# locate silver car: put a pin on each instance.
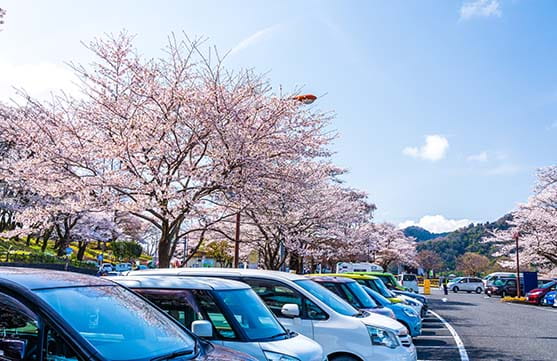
(468, 284)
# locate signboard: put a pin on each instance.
(69, 251)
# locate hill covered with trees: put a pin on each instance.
(454, 244)
(421, 234)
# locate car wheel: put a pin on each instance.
(478, 290)
(455, 289)
(343, 358)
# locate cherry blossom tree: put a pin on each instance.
(472, 263)
(535, 222)
(392, 246)
(162, 139)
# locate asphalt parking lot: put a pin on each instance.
(489, 330)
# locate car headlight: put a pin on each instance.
(275, 356)
(412, 303)
(381, 337)
(535, 292)
(410, 312)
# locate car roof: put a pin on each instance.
(216, 272)
(374, 273)
(32, 278)
(329, 278)
(354, 276)
(166, 282)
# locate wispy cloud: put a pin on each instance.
(434, 149)
(255, 38)
(480, 157)
(437, 223)
(480, 9)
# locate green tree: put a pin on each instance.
(126, 250)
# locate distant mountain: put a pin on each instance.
(421, 234)
(466, 239)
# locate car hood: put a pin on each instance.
(219, 353)
(299, 346)
(537, 290)
(384, 311)
(381, 321)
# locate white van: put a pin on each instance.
(306, 307)
(409, 281)
(492, 277)
(227, 313)
(345, 267)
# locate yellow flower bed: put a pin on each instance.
(513, 299)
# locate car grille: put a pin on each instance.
(405, 341)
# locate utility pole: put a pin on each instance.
(237, 241)
(518, 290)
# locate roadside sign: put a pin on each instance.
(69, 251)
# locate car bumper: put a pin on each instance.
(401, 353)
(533, 299)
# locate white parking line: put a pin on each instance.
(458, 341)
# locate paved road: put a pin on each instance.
(490, 330)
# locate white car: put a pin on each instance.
(123, 267)
(306, 307)
(412, 302)
(409, 281)
(468, 284)
(226, 312)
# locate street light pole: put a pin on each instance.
(237, 241)
(515, 236)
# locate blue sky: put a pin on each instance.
(444, 108)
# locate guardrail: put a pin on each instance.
(434, 282)
(38, 259)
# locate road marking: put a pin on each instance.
(458, 341)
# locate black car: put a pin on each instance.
(502, 287)
(53, 315)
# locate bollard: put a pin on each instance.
(427, 287)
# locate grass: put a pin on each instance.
(20, 248)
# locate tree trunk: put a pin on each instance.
(28, 240)
(82, 246)
(46, 237)
(164, 251)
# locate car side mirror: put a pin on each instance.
(202, 328)
(290, 310)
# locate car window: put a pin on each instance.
(57, 349)
(511, 283)
(409, 278)
(179, 304)
(215, 314)
(275, 294)
(19, 330)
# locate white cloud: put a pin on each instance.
(437, 223)
(434, 149)
(480, 9)
(480, 157)
(504, 169)
(36, 79)
(254, 38)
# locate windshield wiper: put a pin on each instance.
(279, 335)
(173, 355)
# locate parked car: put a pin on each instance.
(106, 267)
(123, 267)
(353, 293)
(343, 267)
(415, 296)
(403, 313)
(372, 282)
(492, 277)
(536, 295)
(67, 316)
(304, 306)
(502, 287)
(468, 284)
(409, 281)
(388, 279)
(549, 299)
(228, 312)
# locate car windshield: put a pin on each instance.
(117, 323)
(251, 314)
(364, 300)
(383, 289)
(377, 296)
(389, 281)
(328, 297)
(548, 284)
(499, 283)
